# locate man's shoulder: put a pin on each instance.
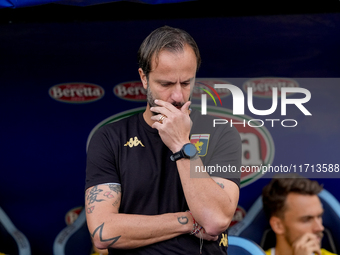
(113, 130)
(132, 119)
(325, 252)
(120, 124)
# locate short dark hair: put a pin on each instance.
(275, 193)
(168, 38)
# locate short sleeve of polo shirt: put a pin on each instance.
(221, 147)
(101, 160)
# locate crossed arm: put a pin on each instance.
(108, 228)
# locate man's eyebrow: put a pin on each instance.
(312, 216)
(165, 81)
(306, 217)
(171, 82)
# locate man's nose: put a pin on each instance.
(177, 93)
(318, 226)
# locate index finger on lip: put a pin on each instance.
(161, 110)
(167, 105)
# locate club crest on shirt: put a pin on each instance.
(201, 142)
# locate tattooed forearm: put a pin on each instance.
(220, 184)
(100, 229)
(183, 220)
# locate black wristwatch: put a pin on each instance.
(188, 151)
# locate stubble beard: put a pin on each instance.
(151, 100)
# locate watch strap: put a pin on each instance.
(181, 154)
(177, 155)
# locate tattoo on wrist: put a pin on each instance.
(183, 220)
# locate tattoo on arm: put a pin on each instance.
(108, 194)
(183, 220)
(115, 187)
(92, 195)
(100, 228)
(89, 209)
(115, 203)
(220, 184)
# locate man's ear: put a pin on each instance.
(277, 225)
(143, 78)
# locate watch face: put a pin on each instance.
(189, 150)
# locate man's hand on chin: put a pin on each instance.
(306, 245)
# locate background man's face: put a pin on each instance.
(303, 215)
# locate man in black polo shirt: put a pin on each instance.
(157, 182)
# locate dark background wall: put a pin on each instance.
(43, 141)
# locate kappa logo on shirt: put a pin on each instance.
(224, 240)
(201, 142)
(134, 142)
